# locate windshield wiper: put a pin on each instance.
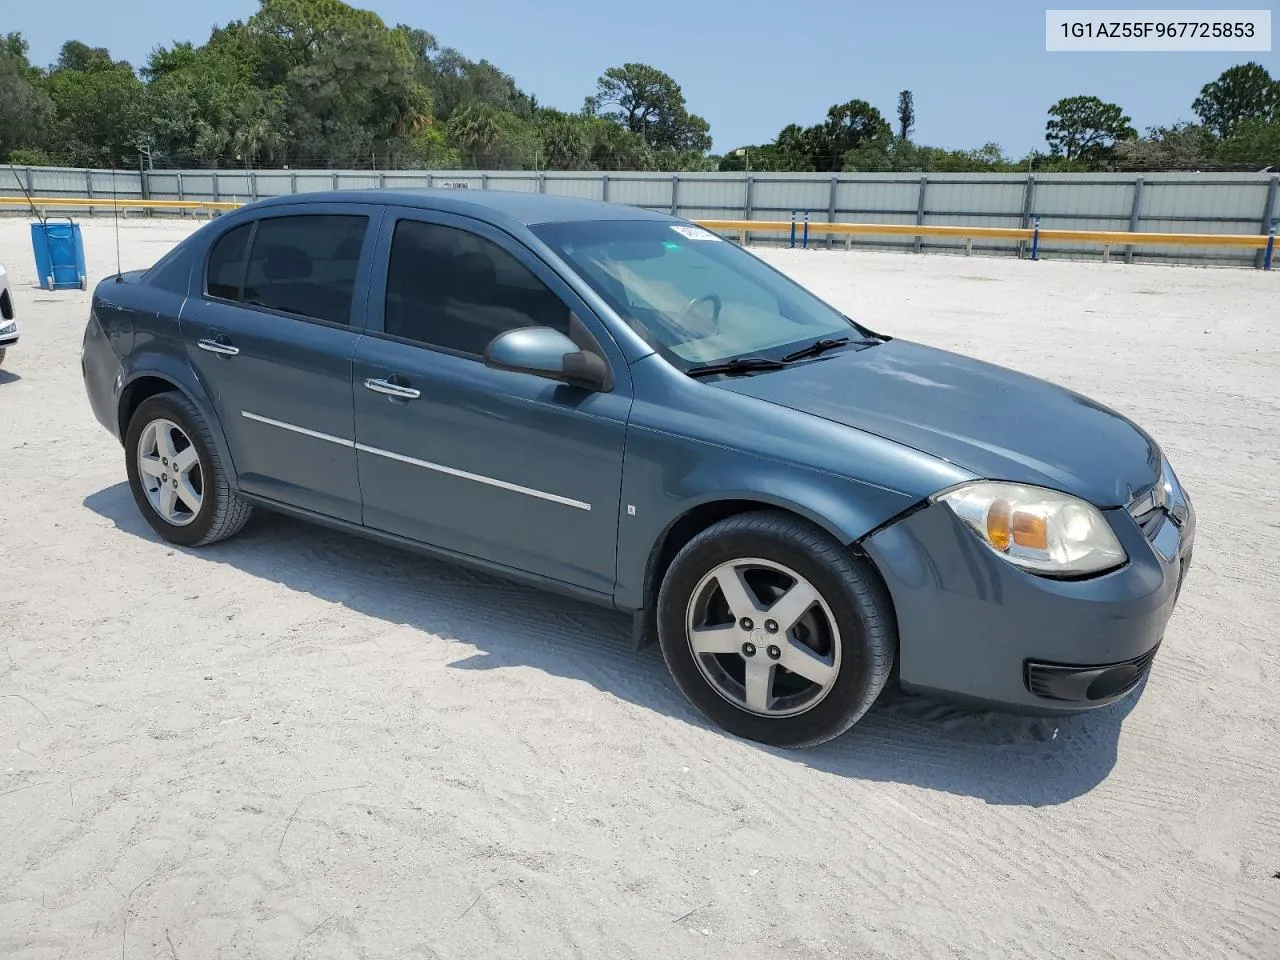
(740, 365)
(825, 344)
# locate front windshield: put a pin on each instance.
(695, 297)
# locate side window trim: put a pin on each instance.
(361, 300)
(543, 272)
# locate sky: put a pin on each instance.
(978, 71)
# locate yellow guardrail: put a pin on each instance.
(1107, 238)
(41, 203)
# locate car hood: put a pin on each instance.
(989, 420)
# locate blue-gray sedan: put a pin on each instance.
(619, 405)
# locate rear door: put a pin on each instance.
(507, 467)
(271, 329)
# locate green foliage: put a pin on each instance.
(25, 107)
(320, 83)
(1241, 94)
(649, 103)
(1183, 146)
(1086, 128)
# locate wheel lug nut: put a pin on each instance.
(746, 624)
(773, 652)
(748, 649)
(771, 626)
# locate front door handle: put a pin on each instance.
(219, 347)
(392, 389)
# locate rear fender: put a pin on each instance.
(179, 375)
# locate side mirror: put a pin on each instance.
(546, 352)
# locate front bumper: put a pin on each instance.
(10, 337)
(973, 627)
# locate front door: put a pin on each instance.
(511, 468)
(271, 331)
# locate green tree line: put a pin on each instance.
(318, 83)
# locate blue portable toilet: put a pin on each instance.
(59, 252)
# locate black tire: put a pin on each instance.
(3, 351)
(222, 512)
(851, 590)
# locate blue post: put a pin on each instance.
(1035, 239)
(793, 228)
(806, 230)
(1271, 245)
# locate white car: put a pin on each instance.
(8, 321)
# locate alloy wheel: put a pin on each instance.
(170, 472)
(763, 637)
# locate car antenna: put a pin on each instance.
(115, 210)
(23, 187)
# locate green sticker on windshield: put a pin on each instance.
(671, 244)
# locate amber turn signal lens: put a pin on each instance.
(1000, 525)
(1030, 530)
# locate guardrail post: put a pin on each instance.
(748, 203)
(675, 194)
(924, 183)
(217, 194)
(604, 187)
(382, 180)
(831, 210)
(1268, 213)
(88, 188)
(1028, 204)
(1133, 217)
(484, 181)
(182, 196)
(805, 241)
(793, 230)
(1271, 245)
(293, 181)
(1035, 239)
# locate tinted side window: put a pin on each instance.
(306, 264)
(226, 263)
(453, 289)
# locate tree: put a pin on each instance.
(1086, 128)
(649, 103)
(855, 127)
(1254, 144)
(1241, 93)
(906, 114)
(1183, 146)
(97, 101)
(25, 108)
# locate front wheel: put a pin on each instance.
(774, 630)
(176, 475)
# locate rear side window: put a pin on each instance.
(452, 289)
(226, 264)
(303, 265)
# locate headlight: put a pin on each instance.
(8, 326)
(1037, 529)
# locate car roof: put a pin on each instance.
(488, 205)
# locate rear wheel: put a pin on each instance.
(177, 478)
(3, 351)
(774, 630)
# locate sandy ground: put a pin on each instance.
(298, 744)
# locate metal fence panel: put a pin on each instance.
(1155, 202)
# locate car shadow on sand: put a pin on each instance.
(999, 758)
(8, 376)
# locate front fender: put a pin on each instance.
(666, 478)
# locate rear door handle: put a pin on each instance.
(392, 389)
(216, 346)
